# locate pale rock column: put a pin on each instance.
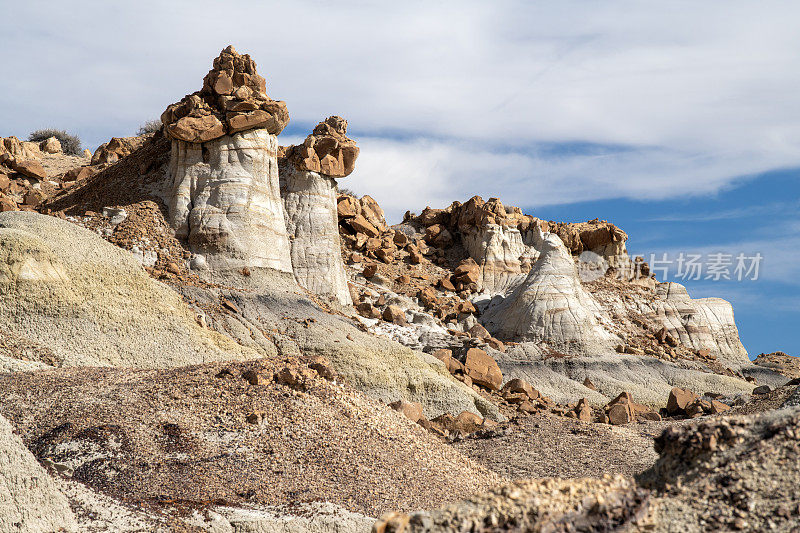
(313, 226)
(309, 191)
(225, 200)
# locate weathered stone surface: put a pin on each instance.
(225, 199)
(233, 99)
(482, 369)
(312, 223)
(29, 498)
(551, 306)
(326, 150)
(679, 399)
(30, 168)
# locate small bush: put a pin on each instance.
(151, 126)
(70, 144)
(346, 191)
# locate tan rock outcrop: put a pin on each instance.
(116, 149)
(233, 99)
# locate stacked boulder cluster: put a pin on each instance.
(233, 99)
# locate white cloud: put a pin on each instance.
(696, 93)
(409, 175)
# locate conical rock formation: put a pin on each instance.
(552, 306)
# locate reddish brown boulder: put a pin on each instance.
(718, 407)
(394, 314)
(79, 174)
(583, 411)
(427, 297)
(414, 257)
(34, 197)
(679, 400)
(446, 285)
(7, 204)
(465, 307)
(620, 413)
(369, 270)
(482, 369)
(367, 310)
(196, 129)
(467, 422)
(347, 207)
(30, 168)
(467, 272)
(400, 238)
(478, 332)
(520, 386)
(361, 225)
(412, 410)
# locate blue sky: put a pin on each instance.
(679, 121)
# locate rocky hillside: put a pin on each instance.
(200, 332)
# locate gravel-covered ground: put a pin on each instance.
(181, 437)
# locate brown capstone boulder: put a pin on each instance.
(326, 150)
(233, 99)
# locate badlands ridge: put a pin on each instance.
(200, 332)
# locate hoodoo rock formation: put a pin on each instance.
(233, 99)
(551, 306)
(309, 194)
(225, 196)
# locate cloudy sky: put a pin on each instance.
(680, 121)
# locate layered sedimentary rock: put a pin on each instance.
(29, 499)
(91, 303)
(551, 306)
(703, 324)
(505, 242)
(225, 200)
(309, 194)
(225, 195)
